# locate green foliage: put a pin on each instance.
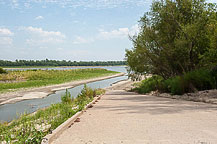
(32, 78)
(149, 84)
(214, 75)
(84, 97)
(66, 98)
(202, 79)
(173, 85)
(47, 62)
(32, 128)
(175, 37)
(2, 70)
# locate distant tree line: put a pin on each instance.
(48, 62)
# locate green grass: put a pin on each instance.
(36, 78)
(202, 79)
(32, 128)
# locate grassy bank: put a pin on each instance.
(32, 128)
(35, 78)
(193, 81)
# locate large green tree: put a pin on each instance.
(175, 37)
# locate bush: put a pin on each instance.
(84, 97)
(66, 98)
(214, 75)
(199, 79)
(202, 79)
(174, 85)
(2, 70)
(149, 84)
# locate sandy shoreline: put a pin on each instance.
(41, 92)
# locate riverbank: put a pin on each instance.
(13, 80)
(31, 128)
(40, 92)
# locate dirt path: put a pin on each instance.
(40, 92)
(129, 118)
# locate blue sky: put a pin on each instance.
(68, 29)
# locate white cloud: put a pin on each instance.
(59, 49)
(43, 33)
(5, 32)
(27, 5)
(211, 1)
(99, 4)
(40, 36)
(39, 17)
(134, 30)
(15, 3)
(5, 37)
(119, 33)
(6, 41)
(81, 40)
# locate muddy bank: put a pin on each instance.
(40, 92)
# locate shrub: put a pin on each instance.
(84, 97)
(214, 75)
(2, 70)
(202, 79)
(66, 98)
(174, 85)
(149, 84)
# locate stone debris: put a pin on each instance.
(206, 96)
(78, 120)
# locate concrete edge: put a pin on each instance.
(67, 124)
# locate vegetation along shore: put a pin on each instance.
(32, 128)
(13, 80)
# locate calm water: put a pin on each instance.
(9, 112)
(113, 68)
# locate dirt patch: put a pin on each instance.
(206, 96)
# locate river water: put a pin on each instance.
(9, 112)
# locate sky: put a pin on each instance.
(77, 30)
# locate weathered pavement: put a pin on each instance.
(130, 118)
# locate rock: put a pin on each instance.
(90, 106)
(78, 120)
